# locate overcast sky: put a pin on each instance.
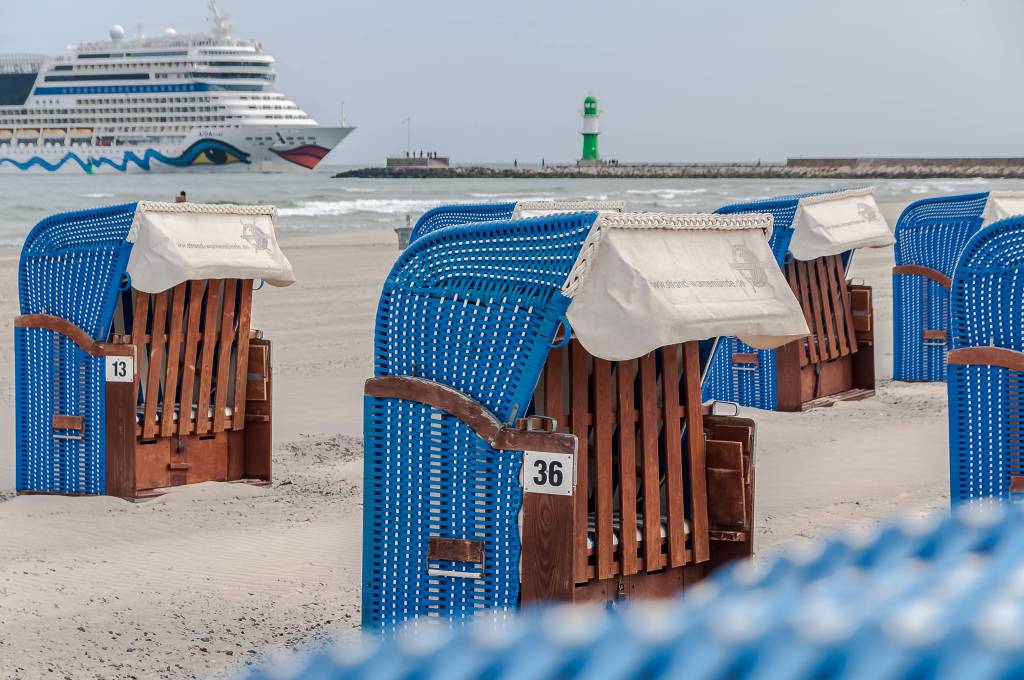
(677, 80)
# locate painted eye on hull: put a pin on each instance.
(215, 156)
(208, 152)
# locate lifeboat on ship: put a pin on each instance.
(54, 135)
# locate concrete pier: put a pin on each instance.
(794, 168)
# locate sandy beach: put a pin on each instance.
(201, 581)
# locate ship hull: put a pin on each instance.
(241, 149)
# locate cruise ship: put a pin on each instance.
(198, 101)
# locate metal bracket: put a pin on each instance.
(537, 424)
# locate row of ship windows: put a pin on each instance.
(289, 138)
(213, 75)
(179, 98)
(83, 110)
(217, 75)
(247, 50)
(153, 64)
(94, 116)
(150, 119)
(121, 108)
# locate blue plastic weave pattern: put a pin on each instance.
(986, 403)
(474, 307)
(72, 265)
(931, 232)
(459, 213)
(930, 601)
(726, 381)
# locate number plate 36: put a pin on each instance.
(549, 473)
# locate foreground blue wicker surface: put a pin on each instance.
(937, 599)
(724, 381)
(475, 308)
(986, 403)
(932, 233)
(459, 213)
(72, 266)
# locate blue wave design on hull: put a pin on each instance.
(204, 152)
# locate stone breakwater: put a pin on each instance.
(794, 169)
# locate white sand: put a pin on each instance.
(200, 581)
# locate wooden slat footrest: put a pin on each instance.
(730, 536)
(855, 394)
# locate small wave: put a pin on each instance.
(512, 196)
(359, 190)
(367, 205)
(98, 194)
(665, 193)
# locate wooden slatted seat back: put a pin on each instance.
(192, 344)
(821, 287)
(640, 462)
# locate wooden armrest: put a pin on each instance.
(73, 333)
(471, 412)
(987, 356)
(927, 272)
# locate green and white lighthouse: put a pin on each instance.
(590, 132)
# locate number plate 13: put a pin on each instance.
(120, 369)
(549, 473)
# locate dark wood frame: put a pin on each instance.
(180, 451)
(556, 565)
(836, 361)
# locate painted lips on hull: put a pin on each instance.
(307, 155)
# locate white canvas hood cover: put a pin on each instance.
(541, 208)
(176, 242)
(647, 280)
(830, 224)
(1002, 204)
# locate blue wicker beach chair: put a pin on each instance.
(465, 213)
(931, 601)
(499, 338)
(985, 370)
(813, 237)
(132, 348)
(930, 235)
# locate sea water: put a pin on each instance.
(316, 202)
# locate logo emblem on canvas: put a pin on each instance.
(255, 237)
(753, 271)
(867, 212)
